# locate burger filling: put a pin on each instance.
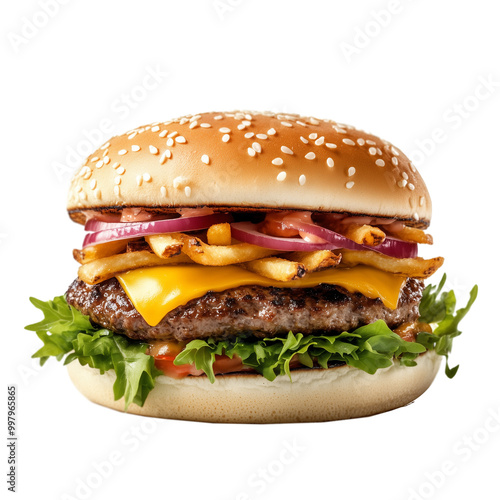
(202, 293)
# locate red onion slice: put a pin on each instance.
(123, 231)
(247, 232)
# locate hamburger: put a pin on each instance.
(251, 267)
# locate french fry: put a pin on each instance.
(219, 234)
(363, 234)
(137, 245)
(413, 268)
(315, 260)
(412, 234)
(222, 255)
(166, 245)
(276, 268)
(107, 267)
(95, 252)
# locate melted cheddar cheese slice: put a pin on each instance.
(155, 291)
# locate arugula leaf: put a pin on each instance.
(439, 308)
(368, 348)
(67, 333)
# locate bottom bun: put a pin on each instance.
(315, 395)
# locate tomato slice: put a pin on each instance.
(222, 364)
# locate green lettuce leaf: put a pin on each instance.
(67, 333)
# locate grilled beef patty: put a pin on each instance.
(246, 311)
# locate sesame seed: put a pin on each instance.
(193, 124)
(302, 179)
(93, 184)
(183, 121)
(361, 142)
(178, 181)
(122, 152)
(271, 131)
(313, 136)
(132, 135)
(153, 150)
(155, 128)
(241, 126)
(163, 158)
(395, 161)
(281, 176)
(349, 184)
(225, 130)
(249, 135)
(248, 116)
(421, 201)
(83, 195)
(412, 167)
(180, 139)
(105, 146)
(205, 125)
(226, 137)
(329, 162)
(138, 179)
(415, 215)
(168, 153)
(99, 164)
(116, 164)
(94, 159)
(402, 183)
(379, 151)
(286, 150)
(287, 124)
(351, 171)
(330, 145)
(118, 180)
(277, 161)
(187, 191)
(380, 163)
(205, 159)
(372, 143)
(257, 147)
(247, 123)
(120, 171)
(163, 191)
(411, 187)
(310, 156)
(251, 151)
(313, 121)
(394, 151)
(349, 142)
(404, 175)
(170, 142)
(304, 140)
(339, 130)
(372, 151)
(301, 123)
(261, 136)
(98, 194)
(163, 133)
(218, 117)
(146, 177)
(319, 141)
(106, 160)
(116, 189)
(173, 134)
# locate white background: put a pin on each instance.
(423, 74)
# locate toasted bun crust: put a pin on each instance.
(313, 396)
(254, 161)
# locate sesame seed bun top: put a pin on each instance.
(253, 161)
